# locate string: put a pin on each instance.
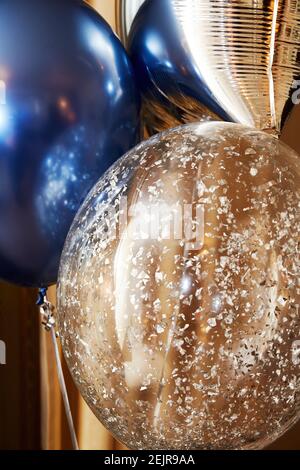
(48, 321)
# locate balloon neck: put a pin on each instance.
(272, 131)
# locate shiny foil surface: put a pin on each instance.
(237, 58)
(178, 295)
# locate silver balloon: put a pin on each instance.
(125, 13)
(178, 296)
(239, 57)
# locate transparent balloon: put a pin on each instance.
(178, 296)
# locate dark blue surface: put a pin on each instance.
(163, 64)
(68, 109)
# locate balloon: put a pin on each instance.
(178, 303)
(125, 13)
(69, 108)
(239, 59)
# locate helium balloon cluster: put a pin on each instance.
(178, 293)
(178, 298)
(69, 108)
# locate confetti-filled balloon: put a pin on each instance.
(69, 108)
(178, 297)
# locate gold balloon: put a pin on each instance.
(178, 297)
(244, 55)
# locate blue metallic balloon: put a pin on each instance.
(69, 108)
(168, 74)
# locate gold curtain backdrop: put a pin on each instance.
(31, 410)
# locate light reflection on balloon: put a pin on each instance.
(239, 59)
(4, 119)
(69, 108)
(182, 342)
